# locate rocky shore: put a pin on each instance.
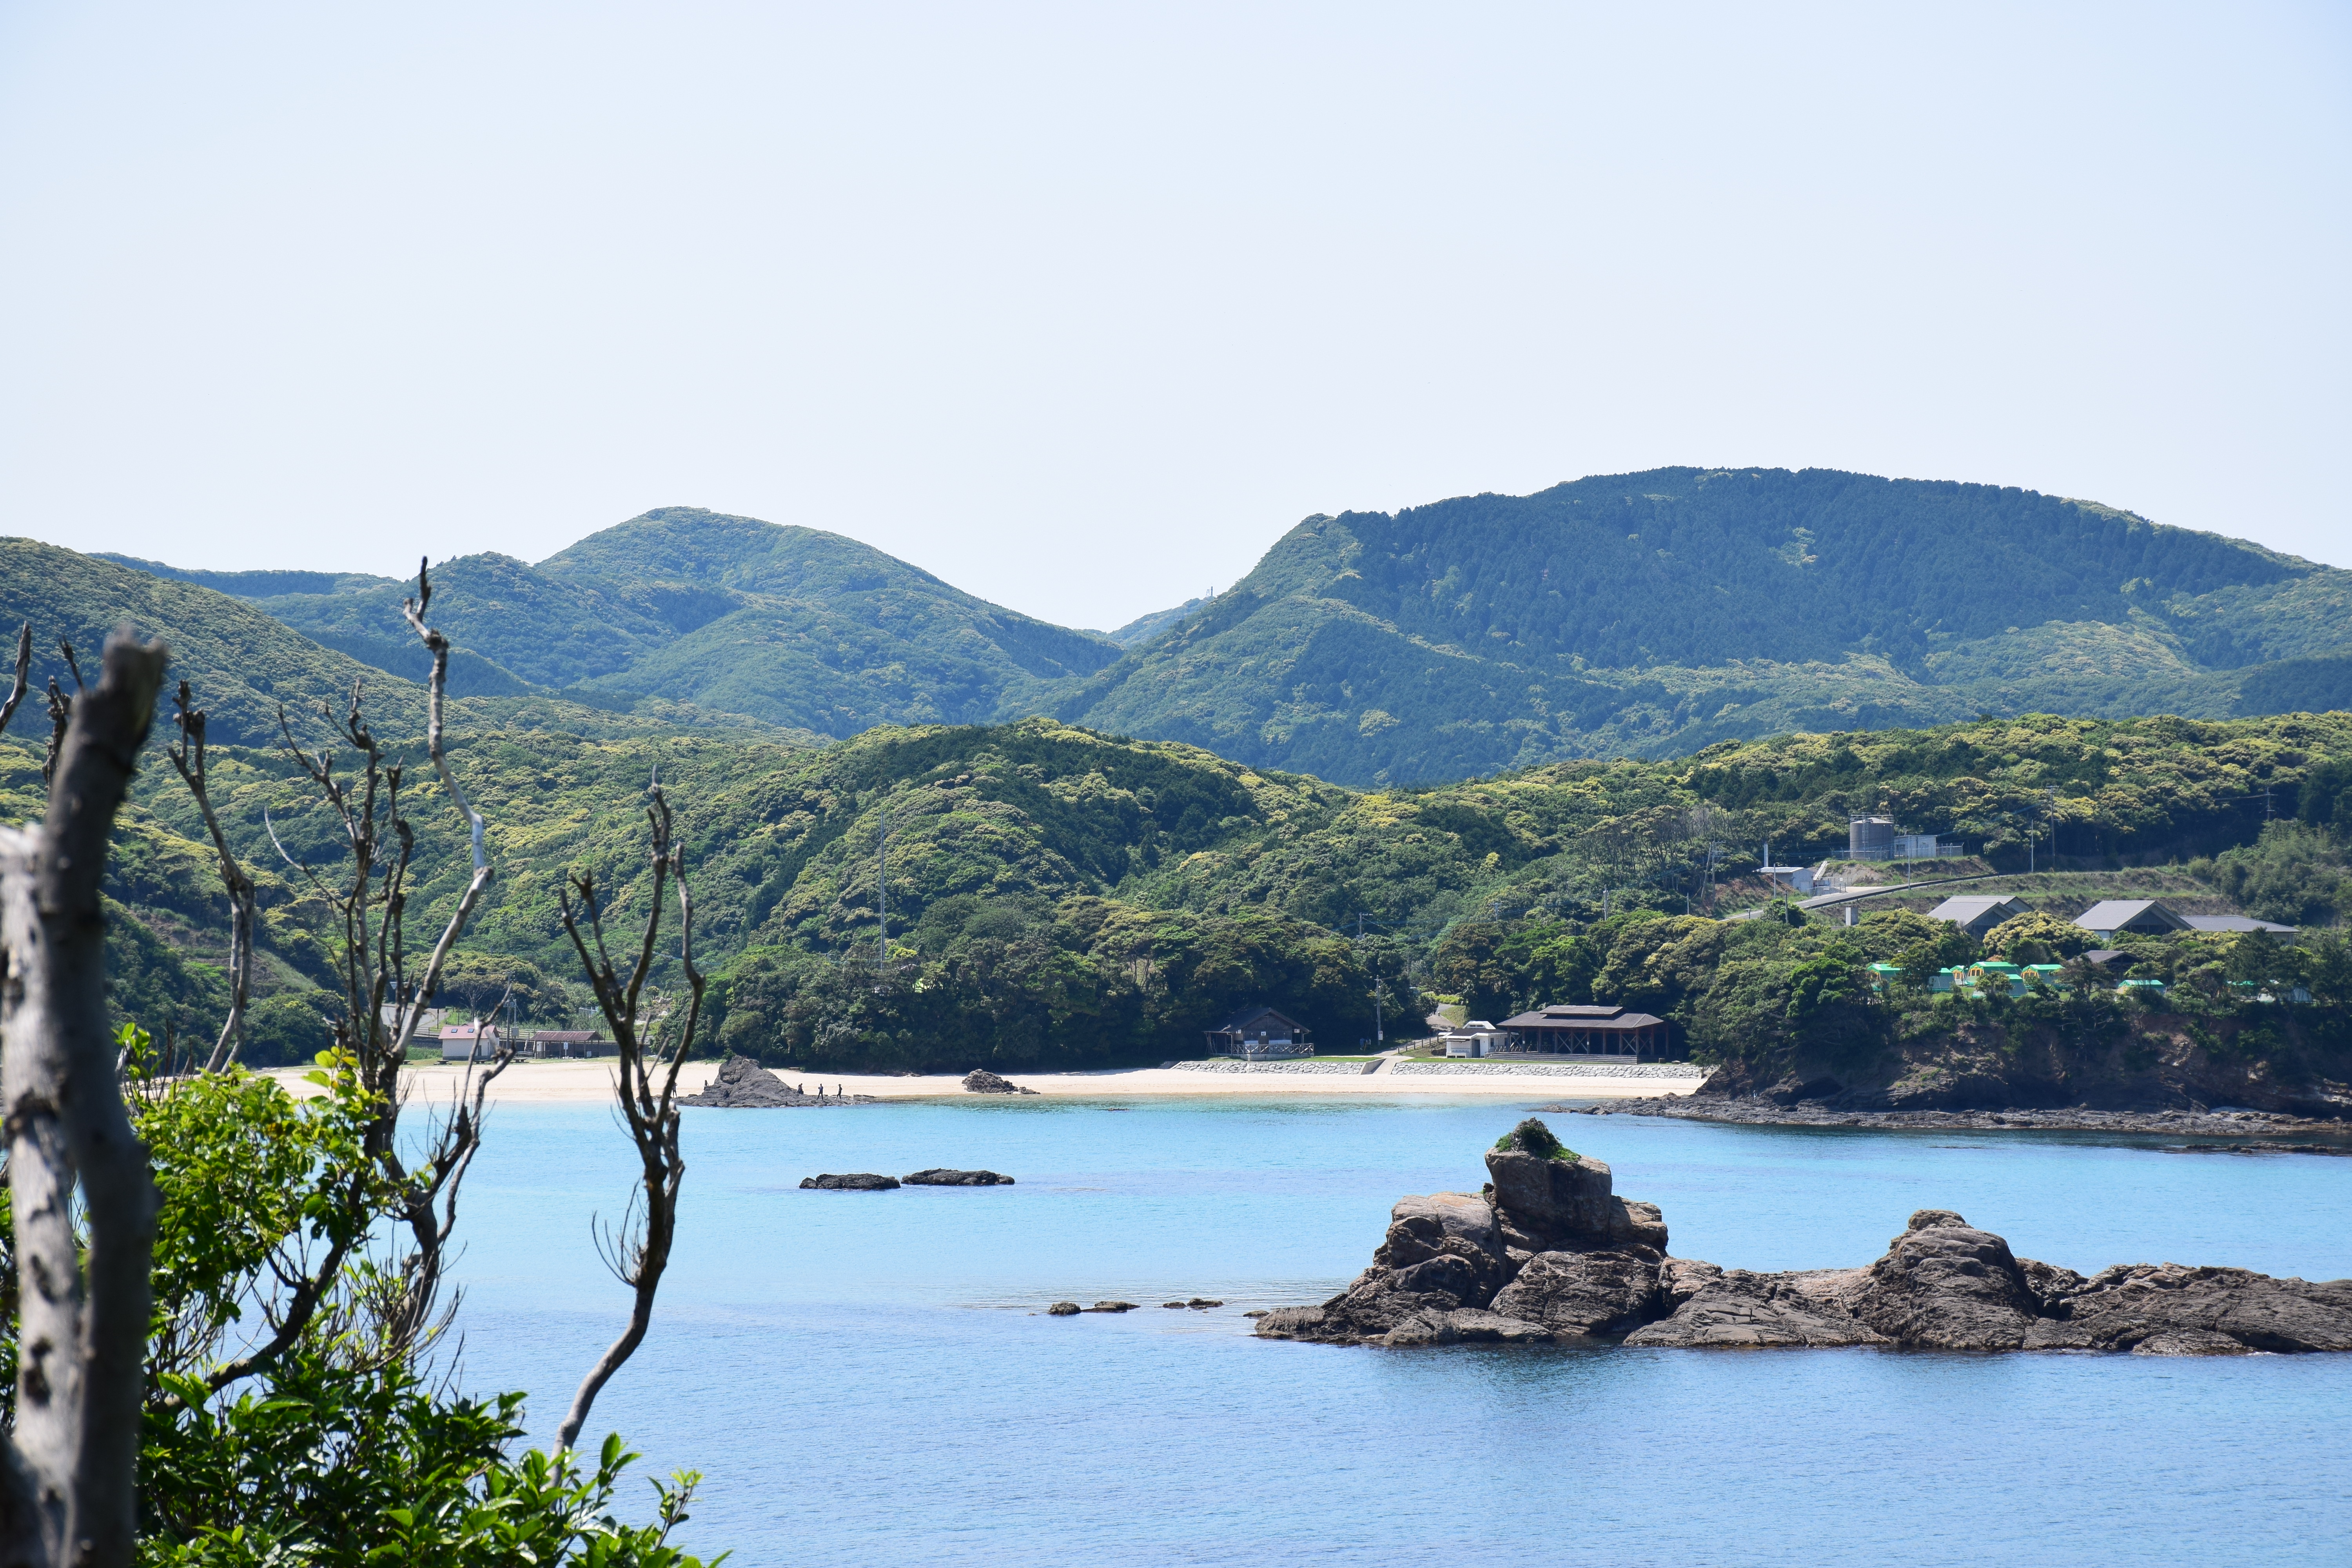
(1759, 1110)
(1547, 1252)
(743, 1084)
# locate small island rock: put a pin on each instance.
(941, 1177)
(860, 1182)
(1553, 1254)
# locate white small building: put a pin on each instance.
(474, 1042)
(1475, 1039)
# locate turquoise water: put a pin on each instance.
(868, 1379)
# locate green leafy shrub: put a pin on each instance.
(1532, 1137)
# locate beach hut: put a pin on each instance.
(1475, 1039)
(474, 1042)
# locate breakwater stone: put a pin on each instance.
(1549, 1252)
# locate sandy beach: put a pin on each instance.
(584, 1082)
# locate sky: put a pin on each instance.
(1081, 307)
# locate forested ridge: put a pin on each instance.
(1644, 615)
(1656, 614)
(1060, 895)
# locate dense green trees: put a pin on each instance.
(2293, 874)
(1011, 985)
(1654, 613)
(995, 831)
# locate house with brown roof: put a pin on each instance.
(1602, 1030)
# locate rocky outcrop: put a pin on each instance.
(1547, 1251)
(2167, 1310)
(1756, 1111)
(1738, 1308)
(743, 1084)
(1550, 1253)
(859, 1181)
(979, 1081)
(2160, 1073)
(1578, 1295)
(940, 1177)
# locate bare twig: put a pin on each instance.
(188, 757)
(648, 1091)
(83, 1313)
(24, 675)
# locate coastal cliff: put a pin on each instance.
(1549, 1252)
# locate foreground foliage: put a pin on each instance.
(342, 1449)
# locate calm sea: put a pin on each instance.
(869, 1378)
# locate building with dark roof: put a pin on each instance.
(1978, 913)
(1259, 1031)
(2104, 919)
(1578, 1030)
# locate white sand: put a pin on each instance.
(581, 1082)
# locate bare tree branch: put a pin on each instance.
(648, 1091)
(85, 1301)
(24, 675)
(188, 757)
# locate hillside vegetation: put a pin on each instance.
(245, 665)
(1644, 615)
(790, 625)
(1060, 895)
(1656, 614)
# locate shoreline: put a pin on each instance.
(584, 1082)
(2270, 1126)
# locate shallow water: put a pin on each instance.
(867, 1378)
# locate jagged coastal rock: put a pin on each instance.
(940, 1177)
(1549, 1253)
(743, 1084)
(979, 1081)
(858, 1182)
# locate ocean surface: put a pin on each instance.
(869, 1378)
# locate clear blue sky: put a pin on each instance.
(1079, 307)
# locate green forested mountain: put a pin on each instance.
(1654, 613)
(1642, 615)
(244, 664)
(790, 625)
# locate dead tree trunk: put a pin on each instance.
(70, 1460)
(188, 756)
(638, 1250)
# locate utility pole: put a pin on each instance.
(1379, 1022)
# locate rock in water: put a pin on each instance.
(1112, 1307)
(743, 1084)
(979, 1081)
(1552, 1253)
(861, 1181)
(1608, 1291)
(2167, 1310)
(1064, 1309)
(940, 1177)
(1743, 1309)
